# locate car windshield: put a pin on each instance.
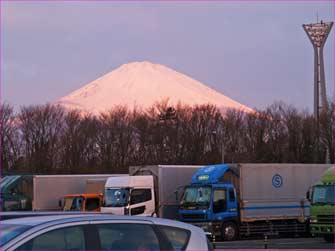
(73, 204)
(116, 197)
(10, 231)
(197, 195)
(323, 195)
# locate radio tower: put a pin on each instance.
(318, 34)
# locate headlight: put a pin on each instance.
(313, 221)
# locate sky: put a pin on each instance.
(254, 52)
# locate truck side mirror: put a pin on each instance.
(176, 193)
(309, 194)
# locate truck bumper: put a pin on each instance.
(321, 229)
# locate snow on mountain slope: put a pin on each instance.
(142, 84)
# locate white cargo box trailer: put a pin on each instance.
(276, 191)
(48, 190)
(96, 185)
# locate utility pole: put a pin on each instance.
(219, 134)
(222, 152)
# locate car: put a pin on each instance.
(99, 232)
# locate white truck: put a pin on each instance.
(148, 190)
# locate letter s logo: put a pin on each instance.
(277, 181)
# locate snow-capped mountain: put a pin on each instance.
(142, 84)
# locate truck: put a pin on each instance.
(322, 206)
(45, 192)
(86, 202)
(152, 190)
(89, 201)
(237, 200)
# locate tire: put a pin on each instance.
(229, 231)
(329, 238)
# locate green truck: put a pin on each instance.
(322, 206)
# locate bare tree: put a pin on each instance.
(115, 139)
(41, 127)
(78, 143)
(10, 143)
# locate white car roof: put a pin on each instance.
(57, 219)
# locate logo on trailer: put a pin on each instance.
(277, 180)
(203, 177)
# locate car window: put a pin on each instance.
(140, 195)
(69, 238)
(177, 237)
(231, 195)
(127, 236)
(219, 200)
(10, 231)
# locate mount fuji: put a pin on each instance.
(142, 84)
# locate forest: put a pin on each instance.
(46, 139)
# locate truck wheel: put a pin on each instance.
(229, 231)
(329, 238)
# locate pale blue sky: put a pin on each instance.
(255, 53)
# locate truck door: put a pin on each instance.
(224, 203)
(219, 202)
(141, 202)
(232, 203)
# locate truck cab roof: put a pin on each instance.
(328, 176)
(129, 181)
(85, 195)
(213, 174)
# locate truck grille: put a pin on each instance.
(193, 216)
(325, 219)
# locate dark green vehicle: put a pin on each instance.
(16, 192)
(322, 207)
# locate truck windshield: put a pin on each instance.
(199, 195)
(116, 197)
(323, 195)
(73, 204)
(6, 181)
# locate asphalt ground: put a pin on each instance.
(287, 243)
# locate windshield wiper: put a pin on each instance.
(189, 204)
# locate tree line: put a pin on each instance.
(48, 139)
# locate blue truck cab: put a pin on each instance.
(210, 201)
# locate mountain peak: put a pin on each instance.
(139, 64)
(141, 85)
